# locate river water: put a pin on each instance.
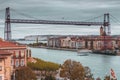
(99, 64)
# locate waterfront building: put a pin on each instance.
(57, 42)
(100, 43)
(73, 43)
(50, 42)
(54, 42)
(77, 43)
(117, 41)
(103, 42)
(19, 53)
(101, 31)
(89, 44)
(65, 42)
(5, 65)
(80, 43)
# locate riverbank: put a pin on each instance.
(73, 50)
(64, 49)
(54, 48)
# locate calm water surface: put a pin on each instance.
(99, 64)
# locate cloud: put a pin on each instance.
(68, 8)
(76, 10)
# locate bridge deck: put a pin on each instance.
(55, 22)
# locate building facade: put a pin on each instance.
(5, 65)
(66, 42)
(19, 53)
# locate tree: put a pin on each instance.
(24, 73)
(72, 70)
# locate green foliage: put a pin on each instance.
(43, 65)
(24, 73)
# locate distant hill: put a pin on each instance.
(42, 37)
(45, 37)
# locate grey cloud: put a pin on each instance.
(76, 10)
(64, 8)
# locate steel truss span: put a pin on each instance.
(7, 31)
(55, 22)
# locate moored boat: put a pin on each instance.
(83, 52)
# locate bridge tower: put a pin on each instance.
(8, 21)
(7, 30)
(107, 24)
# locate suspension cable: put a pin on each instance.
(23, 14)
(114, 19)
(93, 18)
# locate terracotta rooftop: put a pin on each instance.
(4, 53)
(4, 44)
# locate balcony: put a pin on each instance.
(18, 57)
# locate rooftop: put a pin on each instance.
(4, 44)
(4, 53)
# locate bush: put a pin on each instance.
(43, 65)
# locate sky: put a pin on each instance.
(75, 10)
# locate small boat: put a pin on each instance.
(83, 52)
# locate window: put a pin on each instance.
(22, 62)
(22, 53)
(17, 54)
(17, 63)
(0, 68)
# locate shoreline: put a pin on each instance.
(66, 49)
(54, 48)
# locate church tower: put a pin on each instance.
(101, 31)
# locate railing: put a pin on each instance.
(18, 57)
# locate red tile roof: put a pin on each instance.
(4, 53)
(4, 44)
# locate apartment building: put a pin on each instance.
(19, 53)
(5, 65)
